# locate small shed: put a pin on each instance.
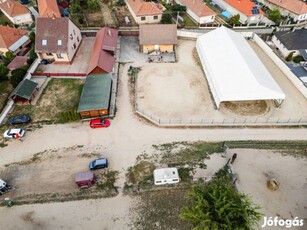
(24, 91)
(159, 37)
(85, 179)
(95, 97)
(166, 176)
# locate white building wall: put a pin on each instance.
(23, 19)
(73, 31)
(148, 19)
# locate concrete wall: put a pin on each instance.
(283, 67)
(285, 52)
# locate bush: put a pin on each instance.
(93, 5)
(298, 59)
(275, 15)
(70, 115)
(32, 37)
(166, 18)
(8, 57)
(235, 20)
(75, 7)
(178, 8)
(17, 76)
(3, 72)
(289, 57)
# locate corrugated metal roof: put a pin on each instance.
(96, 92)
(19, 43)
(25, 89)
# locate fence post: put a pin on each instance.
(191, 121)
(159, 121)
(289, 120)
(202, 121)
(180, 120)
(169, 121)
(234, 121)
(245, 120)
(267, 120)
(212, 121)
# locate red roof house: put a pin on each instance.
(102, 59)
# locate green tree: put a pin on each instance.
(290, 56)
(32, 37)
(166, 17)
(218, 205)
(3, 72)
(235, 20)
(75, 7)
(17, 76)
(298, 59)
(275, 15)
(93, 5)
(8, 57)
(178, 8)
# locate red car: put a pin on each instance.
(99, 123)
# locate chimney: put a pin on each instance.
(109, 32)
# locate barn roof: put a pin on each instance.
(103, 50)
(96, 92)
(24, 89)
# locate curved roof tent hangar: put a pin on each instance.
(233, 70)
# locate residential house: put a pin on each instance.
(291, 42)
(296, 9)
(198, 10)
(48, 9)
(12, 39)
(15, 12)
(248, 11)
(17, 62)
(95, 97)
(103, 54)
(158, 37)
(145, 12)
(57, 39)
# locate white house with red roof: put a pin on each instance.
(296, 9)
(15, 12)
(248, 11)
(198, 10)
(145, 12)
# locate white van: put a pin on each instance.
(166, 176)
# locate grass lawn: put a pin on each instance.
(4, 21)
(187, 20)
(60, 95)
(5, 90)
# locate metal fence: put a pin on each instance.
(220, 121)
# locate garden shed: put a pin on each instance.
(24, 91)
(233, 70)
(95, 97)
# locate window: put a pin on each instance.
(59, 42)
(74, 45)
(78, 39)
(212, 17)
(44, 42)
(59, 56)
(71, 36)
(49, 54)
(143, 18)
(155, 17)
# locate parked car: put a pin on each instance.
(21, 119)
(99, 123)
(12, 133)
(98, 164)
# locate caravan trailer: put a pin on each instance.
(166, 176)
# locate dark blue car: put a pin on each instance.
(21, 119)
(99, 164)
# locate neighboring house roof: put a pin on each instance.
(104, 50)
(304, 54)
(24, 89)
(19, 43)
(197, 7)
(17, 62)
(48, 8)
(142, 8)
(244, 6)
(233, 70)
(295, 6)
(9, 36)
(13, 8)
(96, 92)
(159, 34)
(293, 40)
(52, 35)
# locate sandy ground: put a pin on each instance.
(180, 91)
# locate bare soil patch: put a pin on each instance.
(246, 108)
(121, 12)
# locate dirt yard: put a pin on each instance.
(180, 91)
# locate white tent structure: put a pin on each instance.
(233, 70)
